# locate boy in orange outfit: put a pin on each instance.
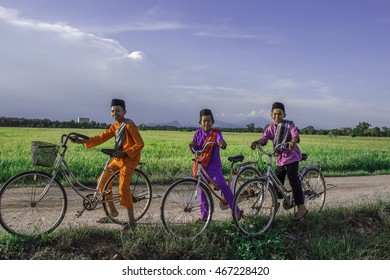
(128, 146)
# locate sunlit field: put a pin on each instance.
(167, 157)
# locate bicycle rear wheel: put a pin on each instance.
(245, 174)
(314, 189)
(180, 209)
(259, 206)
(141, 191)
(24, 212)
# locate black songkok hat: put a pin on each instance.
(278, 105)
(118, 102)
(206, 112)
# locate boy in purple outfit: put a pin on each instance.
(287, 160)
(211, 160)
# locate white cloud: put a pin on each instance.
(137, 55)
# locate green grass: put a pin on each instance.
(167, 156)
(358, 233)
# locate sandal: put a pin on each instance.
(300, 216)
(104, 220)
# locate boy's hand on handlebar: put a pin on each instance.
(222, 145)
(77, 140)
(291, 145)
(255, 143)
(192, 145)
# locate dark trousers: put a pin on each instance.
(291, 170)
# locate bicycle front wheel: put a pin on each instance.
(258, 206)
(141, 190)
(31, 205)
(314, 189)
(186, 208)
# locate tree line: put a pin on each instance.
(362, 129)
(46, 123)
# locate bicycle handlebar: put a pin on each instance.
(70, 135)
(272, 153)
(201, 151)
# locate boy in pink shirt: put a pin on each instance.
(287, 160)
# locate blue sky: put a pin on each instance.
(327, 60)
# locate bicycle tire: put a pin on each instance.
(314, 189)
(141, 191)
(19, 212)
(259, 206)
(180, 209)
(245, 174)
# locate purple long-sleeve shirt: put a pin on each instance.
(215, 165)
(286, 156)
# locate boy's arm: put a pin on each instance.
(221, 142)
(135, 149)
(101, 138)
(193, 144)
(267, 134)
(295, 137)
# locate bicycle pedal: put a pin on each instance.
(309, 194)
(79, 213)
(223, 206)
(287, 205)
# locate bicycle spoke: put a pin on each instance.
(314, 189)
(141, 191)
(181, 209)
(258, 204)
(21, 213)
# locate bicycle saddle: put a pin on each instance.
(304, 157)
(236, 158)
(108, 152)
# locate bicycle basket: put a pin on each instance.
(43, 154)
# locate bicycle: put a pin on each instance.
(35, 202)
(257, 198)
(180, 204)
(246, 171)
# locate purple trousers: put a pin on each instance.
(226, 192)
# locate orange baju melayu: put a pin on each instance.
(132, 146)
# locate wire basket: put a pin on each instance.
(43, 154)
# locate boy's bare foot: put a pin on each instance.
(112, 209)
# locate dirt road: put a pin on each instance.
(342, 191)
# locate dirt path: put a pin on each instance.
(342, 191)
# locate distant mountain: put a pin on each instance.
(220, 124)
(173, 123)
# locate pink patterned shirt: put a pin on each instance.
(286, 156)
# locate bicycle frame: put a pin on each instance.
(270, 175)
(62, 165)
(203, 177)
